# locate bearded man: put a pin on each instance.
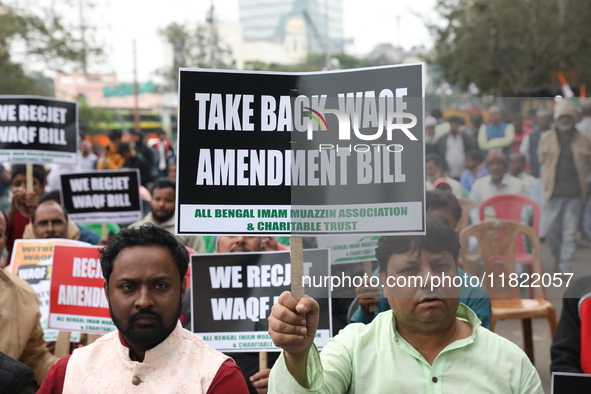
(162, 213)
(144, 271)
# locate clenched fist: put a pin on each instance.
(292, 327)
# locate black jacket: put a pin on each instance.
(469, 143)
(565, 351)
(16, 377)
(143, 166)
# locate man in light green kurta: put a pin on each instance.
(428, 343)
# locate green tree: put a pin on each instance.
(89, 118)
(512, 47)
(42, 39)
(198, 46)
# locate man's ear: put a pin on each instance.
(383, 278)
(183, 287)
(106, 289)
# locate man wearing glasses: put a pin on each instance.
(50, 221)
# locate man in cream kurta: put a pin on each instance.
(181, 360)
(144, 272)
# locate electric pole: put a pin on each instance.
(136, 109)
(83, 36)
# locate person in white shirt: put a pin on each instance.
(497, 182)
(86, 158)
(453, 146)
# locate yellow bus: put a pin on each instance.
(150, 121)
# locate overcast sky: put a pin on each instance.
(118, 22)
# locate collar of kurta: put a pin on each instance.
(463, 313)
(169, 344)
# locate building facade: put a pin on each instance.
(270, 21)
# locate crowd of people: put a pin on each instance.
(546, 158)
(430, 338)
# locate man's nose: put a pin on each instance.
(427, 278)
(145, 299)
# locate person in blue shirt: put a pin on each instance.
(475, 169)
(497, 134)
(475, 297)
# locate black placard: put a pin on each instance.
(260, 152)
(102, 196)
(39, 130)
(232, 296)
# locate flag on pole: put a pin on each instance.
(567, 92)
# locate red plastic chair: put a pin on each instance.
(510, 207)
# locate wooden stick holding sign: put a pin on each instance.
(92, 337)
(297, 267)
(105, 232)
(29, 178)
(62, 345)
(369, 272)
(263, 362)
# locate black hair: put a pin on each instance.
(475, 154)
(444, 187)
(115, 133)
(163, 183)
(38, 172)
(54, 195)
(146, 235)
(434, 157)
(436, 113)
(520, 155)
(123, 147)
(437, 201)
(456, 119)
(476, 120)
(440, 237)
(45, 202)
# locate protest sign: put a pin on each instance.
(39, 130)
(232, 296)
(301, 154)
(102, 196)
(350, 249)
(32, 261)
(569, 382)
(345, 253)
(77, 300)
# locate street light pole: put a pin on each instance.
(136, 109)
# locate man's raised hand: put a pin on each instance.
(293, 323)
(292, 327)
